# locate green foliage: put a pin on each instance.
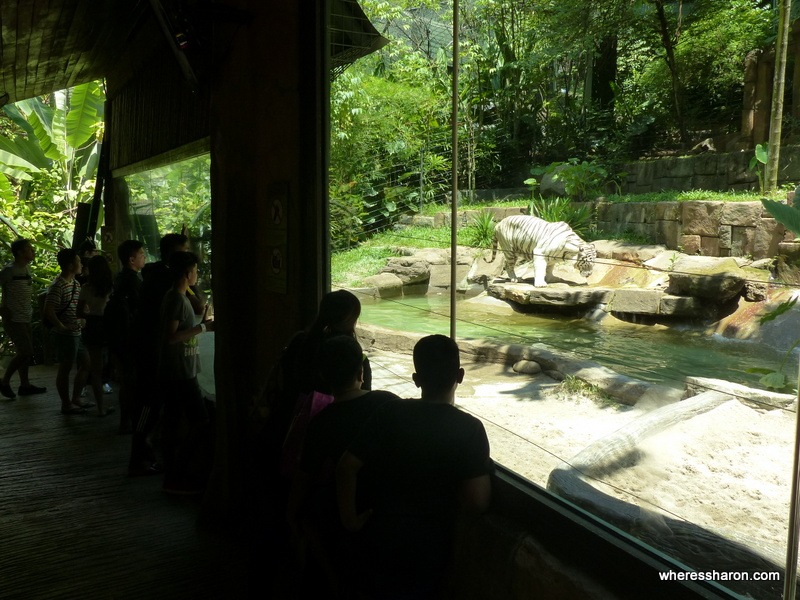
(759, 163)
(349, 267)
(579, 218)
(165, 199)
(480, 232)
(389, 146)
(529, 85)
(711, 40)
(782, 308)
(48, 159)
(710, 52)
(49, 149)
(581, 179)
(673, 260)
(346, 214)
(85, 113)
(420, 237)
(687, 196)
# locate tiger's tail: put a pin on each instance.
(494, 247)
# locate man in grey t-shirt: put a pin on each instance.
(16, 310)
(177, 373)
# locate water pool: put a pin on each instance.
(651, 353)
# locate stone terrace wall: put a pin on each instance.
(704, 228)
(709, 171)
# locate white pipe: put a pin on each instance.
(454, 174)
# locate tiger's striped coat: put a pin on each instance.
(522, 236)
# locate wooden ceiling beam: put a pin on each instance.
(47, 45)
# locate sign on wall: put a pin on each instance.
(276, 208)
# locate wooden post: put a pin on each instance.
(763, 98)
(749, 96)
(268, 210)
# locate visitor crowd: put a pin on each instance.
(373, 486)
(366, 488)
(144, 322)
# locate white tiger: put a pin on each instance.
(544, 242)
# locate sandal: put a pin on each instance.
(73, 410)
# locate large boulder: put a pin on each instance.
(386, 285)
(409, 269)
(717, 279)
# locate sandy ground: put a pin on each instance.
(727, 470)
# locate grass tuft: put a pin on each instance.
(572, 386)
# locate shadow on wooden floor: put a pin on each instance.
(74, 525)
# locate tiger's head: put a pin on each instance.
(584, 262)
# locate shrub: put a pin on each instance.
(563, 209)
(481, 231)
(581, 179)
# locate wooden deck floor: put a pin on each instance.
(74, 525)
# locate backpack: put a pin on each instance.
(117, 319)
(306, 407)
(41, 300)
(280, 413)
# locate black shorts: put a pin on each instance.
(93, 334)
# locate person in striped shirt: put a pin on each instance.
(16, 311)
(61, 313)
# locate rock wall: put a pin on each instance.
(709, 171)
(704, 228)
(701, 228)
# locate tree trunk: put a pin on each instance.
(779, 83)
(672, 64)
(604, 74)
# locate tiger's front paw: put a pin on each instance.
(539, 283)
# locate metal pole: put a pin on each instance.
(454, 189)
(790, 575)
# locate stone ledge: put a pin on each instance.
(558, 294)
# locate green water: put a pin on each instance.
(653, 354)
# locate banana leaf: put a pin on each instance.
(85, 113)
(27, 149)
(16, 167)
(788, 216)
(40, 118)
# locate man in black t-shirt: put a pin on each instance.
(312, 511)
(430, 465)
(119, 317)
